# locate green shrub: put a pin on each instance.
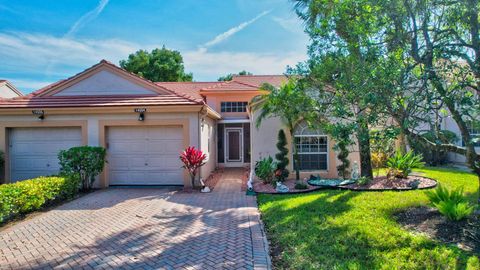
(401, 165)
(282, 157)
(30, 195)
(452, 204)
(84, 162)
(300, 185)
(265, 169)
(362, 181)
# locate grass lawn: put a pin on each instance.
(334, 229)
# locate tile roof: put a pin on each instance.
(230, 86)
(258, 80)
(187, 88)
(94, 101)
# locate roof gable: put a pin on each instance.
(103, 79)
(8, 90)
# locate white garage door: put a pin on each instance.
(145, 155)
(33, 151)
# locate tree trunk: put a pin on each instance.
(295, 155)
(402, 142)
(363, 137)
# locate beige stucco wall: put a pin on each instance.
(93, 124)
(264, 141)
(6, 92)
(208, 145)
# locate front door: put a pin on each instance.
(234, 146)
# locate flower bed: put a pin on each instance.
(260, 187)
(383, 183)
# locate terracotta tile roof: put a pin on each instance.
(95, 101)
(230, 86)
(187, 88)
(258, 80)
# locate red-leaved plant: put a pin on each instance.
(192, 160)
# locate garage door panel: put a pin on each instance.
(145, 155)
(34, 151)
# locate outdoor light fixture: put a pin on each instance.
(39, 113)
(141, 113)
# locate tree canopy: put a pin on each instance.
(229, 76)
(159, 65)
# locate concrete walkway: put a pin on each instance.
(143, 229)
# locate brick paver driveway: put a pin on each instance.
(142, 229)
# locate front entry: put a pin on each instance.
(234, 147)
(233, 144)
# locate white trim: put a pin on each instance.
(233, 121)
(226, 131)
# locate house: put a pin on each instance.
(8, 90)
(145, 125)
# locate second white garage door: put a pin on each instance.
(145, 155)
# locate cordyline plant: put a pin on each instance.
(192, 160)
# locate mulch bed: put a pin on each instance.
(245, 177)
(383, 183)
(213, 179)
(260, 187)
(426, 220)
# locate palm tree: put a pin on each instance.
(289, 103)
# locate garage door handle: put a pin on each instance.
(146, 164)
(48, 165)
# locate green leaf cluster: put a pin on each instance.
(30, 195)
(452, 204)
(265, 170)
(401, 165)
(84, 162)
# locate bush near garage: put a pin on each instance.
(30, 195)
(83, 162)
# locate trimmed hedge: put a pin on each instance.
(30, 195)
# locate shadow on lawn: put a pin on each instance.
(312, 235)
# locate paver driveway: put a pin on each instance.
(142, 229)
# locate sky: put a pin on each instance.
(44, 41)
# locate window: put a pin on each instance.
(234, 106)
(474, 131)
(312, 147)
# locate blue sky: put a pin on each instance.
(44, 41)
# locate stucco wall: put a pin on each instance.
(93, 132)
(208, 145)
(6, 92)
(264, 141)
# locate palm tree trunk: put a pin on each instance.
(295, 155)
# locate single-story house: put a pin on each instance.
(8, 90)
(145, 125)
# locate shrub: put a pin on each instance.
(362, 181)
(434, 155)
(192, 160)
(282, 157)
(30, 195)
(401, 165)
(84, 162)
(452, 204)
(300, 185)
(265, 169)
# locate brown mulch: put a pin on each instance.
(213, 179)
(245, 177)
(383, 183)
(426, 220)
(260, 187)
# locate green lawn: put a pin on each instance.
(334, 229)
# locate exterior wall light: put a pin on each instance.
(141, 113)
(39, 113)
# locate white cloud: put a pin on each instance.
(26, 55)
(290, 24)
(86, 18)
(230, 32)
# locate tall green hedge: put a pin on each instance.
(30, 195)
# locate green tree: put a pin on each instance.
(289, 103)
(282, 156)
(159, 65)
(229, 76)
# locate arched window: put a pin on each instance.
(312, 147)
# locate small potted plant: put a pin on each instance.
(192, 160)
